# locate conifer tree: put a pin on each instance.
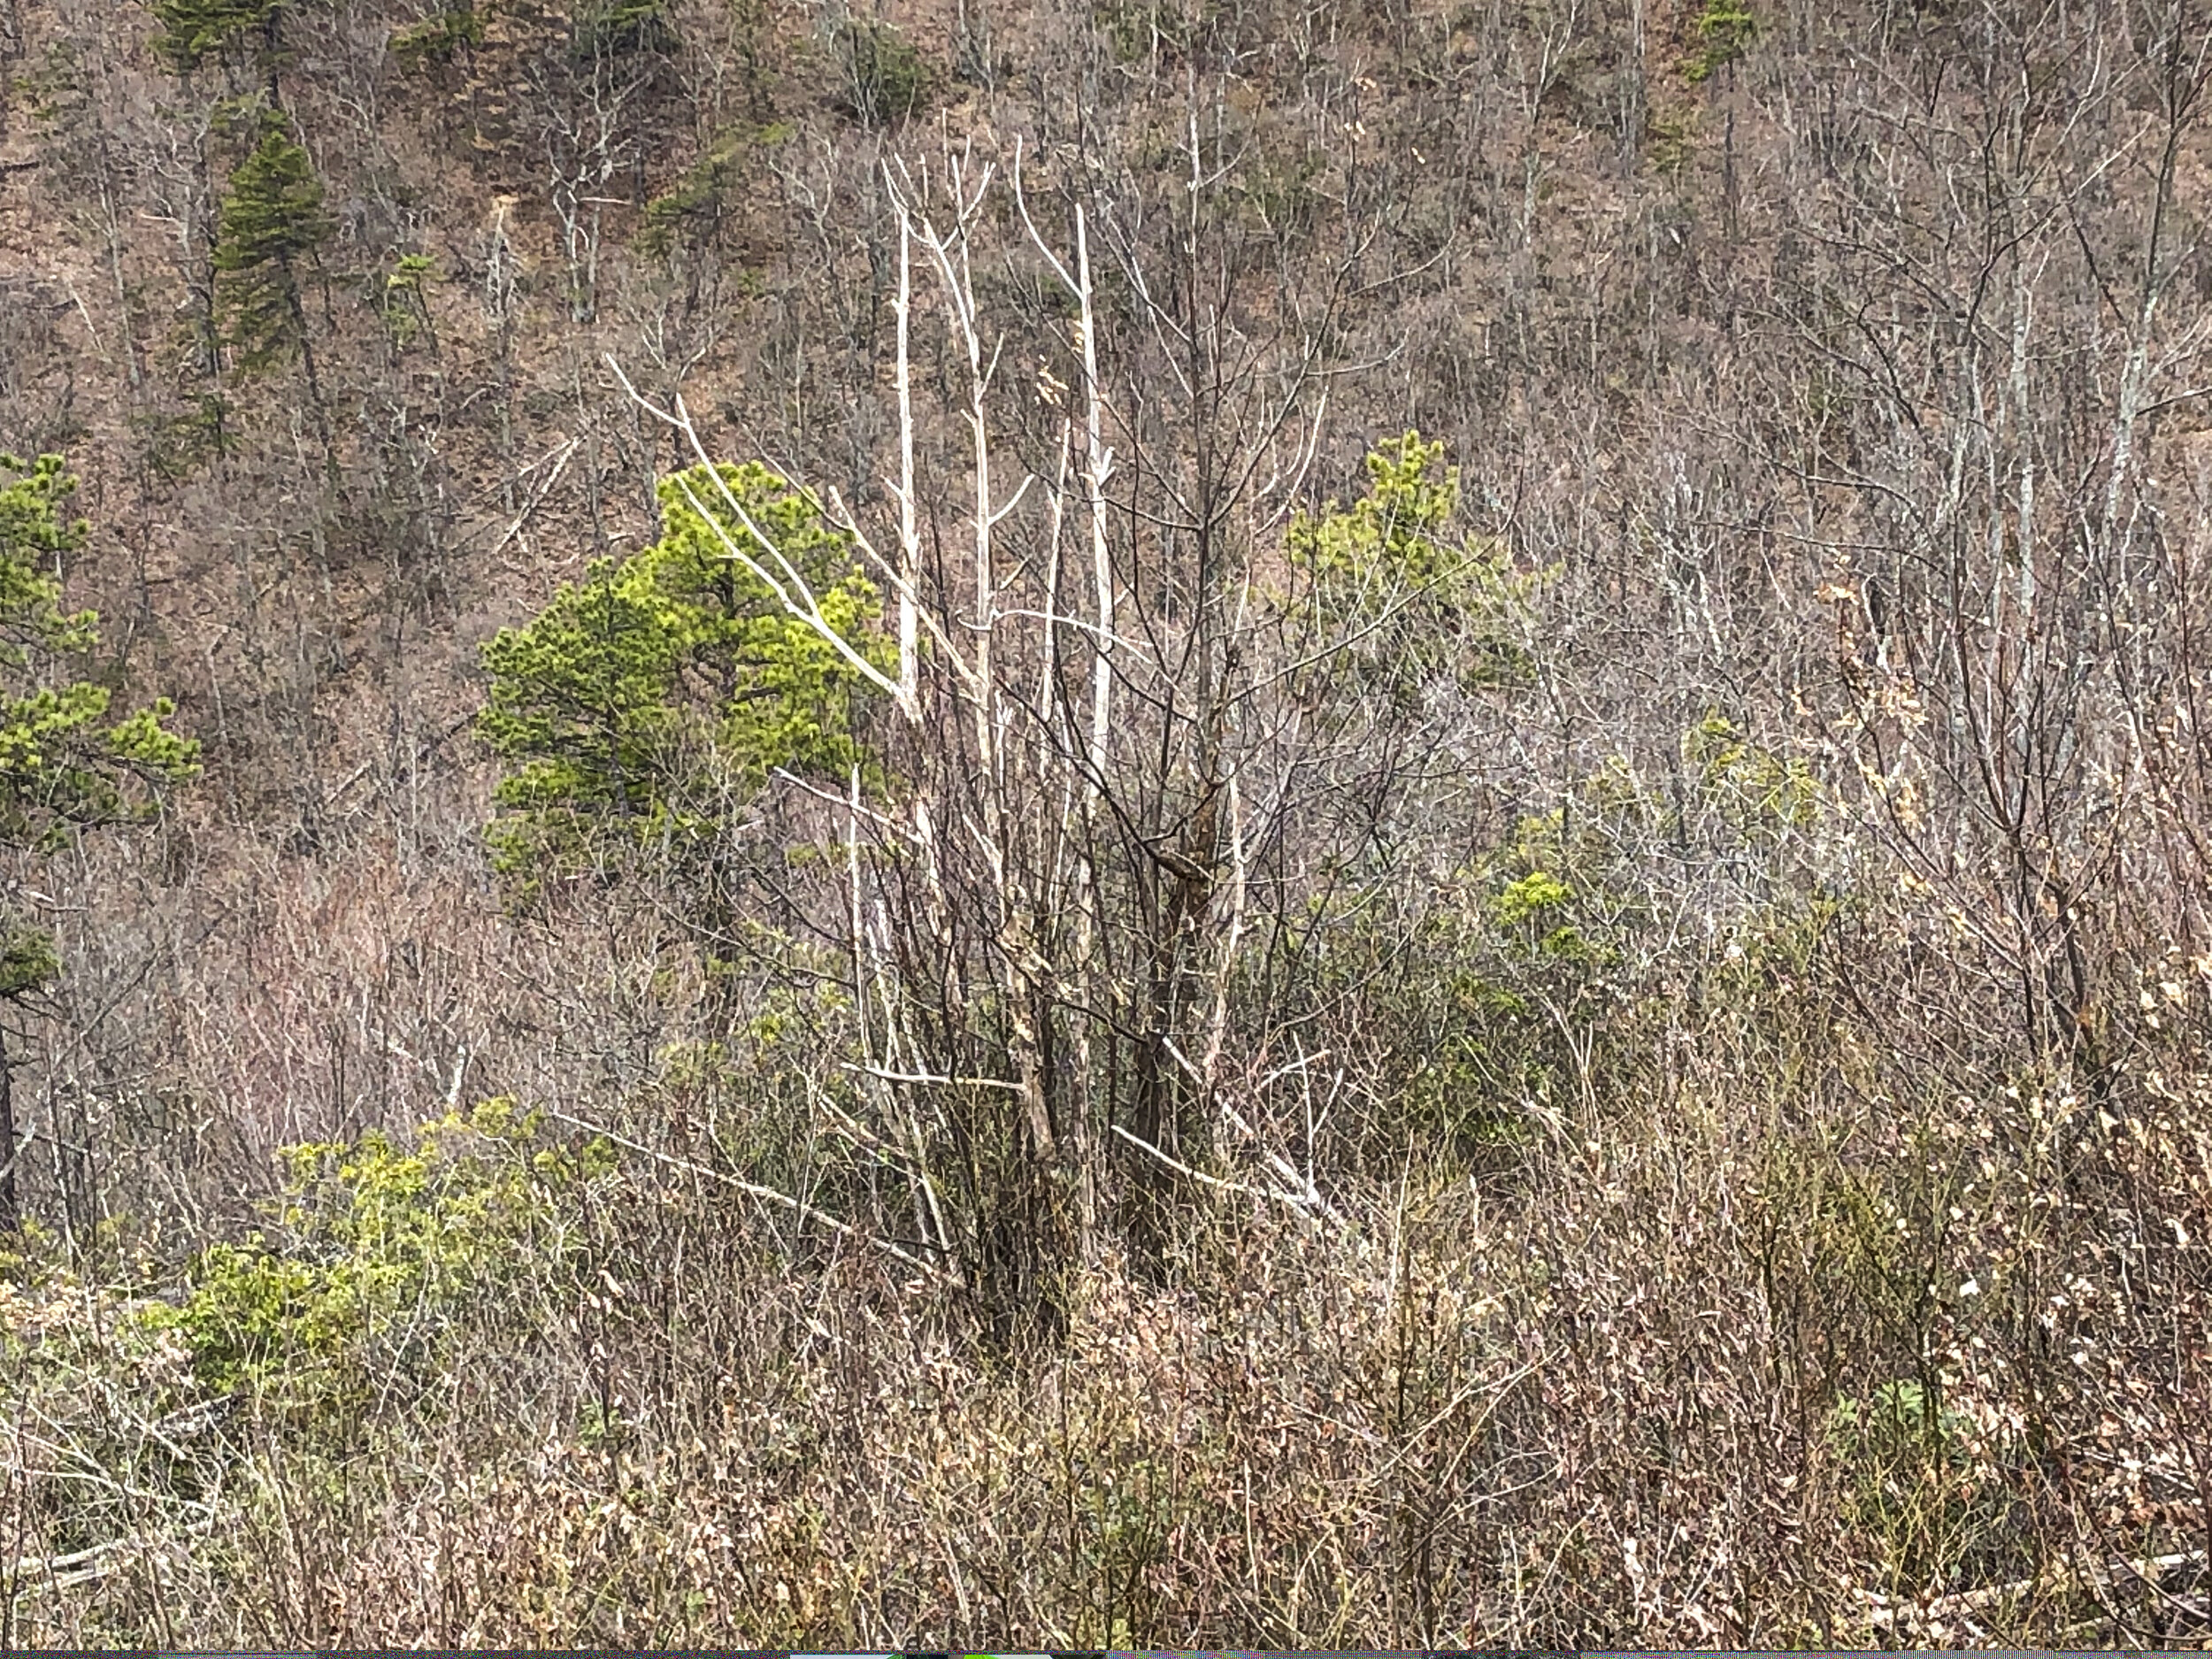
(621, 27)
(194, 30)
(1415, 599)
(639, 698)
(65, 764)
(272, 220)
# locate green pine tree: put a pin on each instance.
(645, 699)
(437, 38)
(1411, 601)
(272, 221)
(66, 765)
(194, 30)
(621, 28)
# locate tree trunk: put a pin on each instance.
(10, 1207)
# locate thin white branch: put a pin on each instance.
(837, 801)
(1295, 1200)
(810, 612)
(755, 1190)
(939, 1082)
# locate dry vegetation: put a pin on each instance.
(1605, 1047)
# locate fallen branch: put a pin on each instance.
(1887, 1612)
(1306, 1200)
(755, 1190)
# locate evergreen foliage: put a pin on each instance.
(437, 38)
(885, 78)
(406, 307)
(639, 697)
(1725, 30)
(272, 219)
(692, 212)
(194, 30)
(1411, 600)
(28, 961)
(63, 764)
(622, 29)
(309, 1316)
(1388, 536)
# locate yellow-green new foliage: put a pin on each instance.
(1731, 796)
(1530, 909)
(644, 698)
(1725, 30)
(374, 1249)
(1408, 597)
(65, 764)
(1758, 793)
(405, 305)
(1908, 1479)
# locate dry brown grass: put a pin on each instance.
(1593, 1400)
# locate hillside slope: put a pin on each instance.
(1426, 864)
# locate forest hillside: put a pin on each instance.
(1105, 823)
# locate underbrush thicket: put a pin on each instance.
(1737, 1325)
